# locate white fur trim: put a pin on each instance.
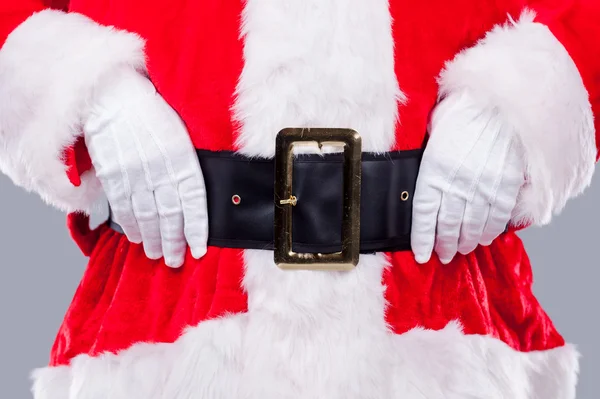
(525, 73)
(50, 383)
(316, 335)
(235, 358)
(303, 71)
(49, 66)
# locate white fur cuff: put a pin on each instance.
(524, 73)
(49, 66)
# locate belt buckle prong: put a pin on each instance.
(347, 258)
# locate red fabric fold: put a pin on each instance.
(86, 238)
(77, 160)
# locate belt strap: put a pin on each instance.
(240, 196)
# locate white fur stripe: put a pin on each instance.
(221, 359)
(303, 70)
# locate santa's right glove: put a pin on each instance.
(469, 180)
(147, 165)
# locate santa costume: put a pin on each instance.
(495, 101)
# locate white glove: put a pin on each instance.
(146, 162)
(468, 182)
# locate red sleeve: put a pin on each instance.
(576, 24)
(14, 12)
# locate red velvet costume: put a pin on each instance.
(233, 325)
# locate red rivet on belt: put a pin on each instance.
(236, 199)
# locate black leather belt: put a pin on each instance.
(240, 195)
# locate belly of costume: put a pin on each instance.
(126, 298)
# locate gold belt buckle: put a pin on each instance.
(285, 199)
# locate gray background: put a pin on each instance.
(40, 268)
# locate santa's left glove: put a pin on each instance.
(147, 165)
(470, 177)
